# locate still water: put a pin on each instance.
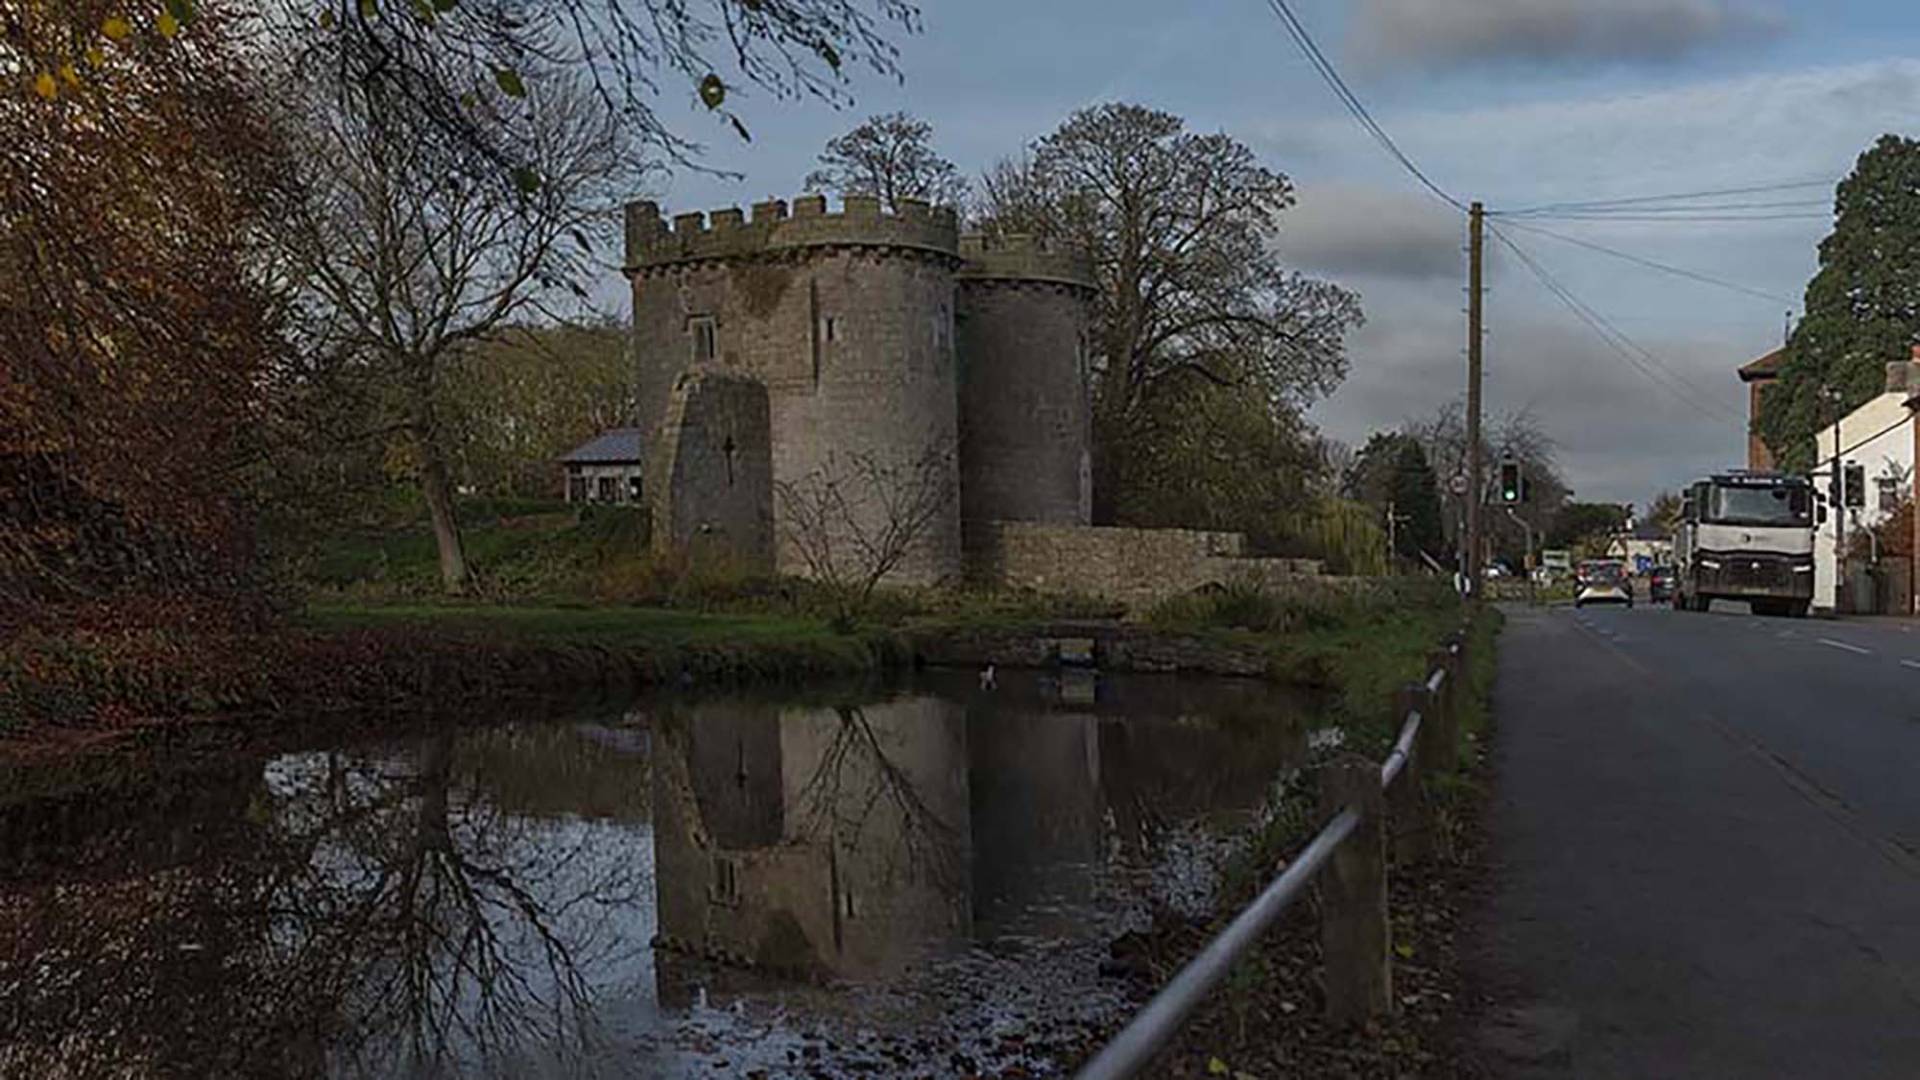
(921, 881)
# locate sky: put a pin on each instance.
(1516, 103)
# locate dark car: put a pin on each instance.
(1660, 584)
(1603, 582)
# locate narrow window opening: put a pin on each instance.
(829, 328)
(701, 327)
(725, 890)
(818, 331)
(730, 449)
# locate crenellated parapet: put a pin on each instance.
(1012, 258)
(777, 227)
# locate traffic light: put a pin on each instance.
(1512, 488)
(1855, 487)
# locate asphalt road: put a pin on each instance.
(1706, 838)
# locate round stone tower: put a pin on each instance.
(848, 319)
(1025, 408)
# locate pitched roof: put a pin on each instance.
(614, 446)
(1766, 367)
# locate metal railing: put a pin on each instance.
(1353, 925)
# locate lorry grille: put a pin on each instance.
(1757, 573)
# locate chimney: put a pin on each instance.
(1903, 376)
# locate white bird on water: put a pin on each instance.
(987, 680)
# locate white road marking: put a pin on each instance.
(1844, 645)
(1915, 664)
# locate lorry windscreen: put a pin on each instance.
(1760, 506)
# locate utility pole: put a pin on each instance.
(1476, 488)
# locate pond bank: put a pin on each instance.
(76, 689)
(1269, 1018)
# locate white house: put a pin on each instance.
(1877, 437)
(605, 468)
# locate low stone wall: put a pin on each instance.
(1137, 567)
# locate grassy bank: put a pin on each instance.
(425, 659)
(1360, 641)
(1269, 1018)
(603, 614)
(517, 549)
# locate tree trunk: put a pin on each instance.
(446, 529)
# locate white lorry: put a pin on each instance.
(1746, 536)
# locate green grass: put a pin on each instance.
(1373, 657)
(1482, 643)
(1361, 642)
(607, 626)
(518, 549)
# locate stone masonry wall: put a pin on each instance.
(713, 469)
(847, 319)
(1025, 415)
(1137, 567)
(879, 392)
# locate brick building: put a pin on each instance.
(1759, 375)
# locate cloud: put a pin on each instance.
(1345, 230)
(1453, 33)
(1619, 435)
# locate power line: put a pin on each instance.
(1684, 196)
(1644, 208)
(1331, 76)
(1676, 217)
(1677, 271)
(1640, 358)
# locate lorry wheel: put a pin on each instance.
(1799, 608)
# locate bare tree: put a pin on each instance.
(856, 518)
(435, 924)
(428, 62)
(1518, 435)
(860, 794)
(403, 263)
(890, 157)
(1183, 230)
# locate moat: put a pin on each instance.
(925, 880)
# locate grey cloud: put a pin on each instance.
(1448, 33)
(1344, 231)
(1619, 437)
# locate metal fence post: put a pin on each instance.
(1409, 811)
(1353, 898)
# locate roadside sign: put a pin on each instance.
(1458, 485)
